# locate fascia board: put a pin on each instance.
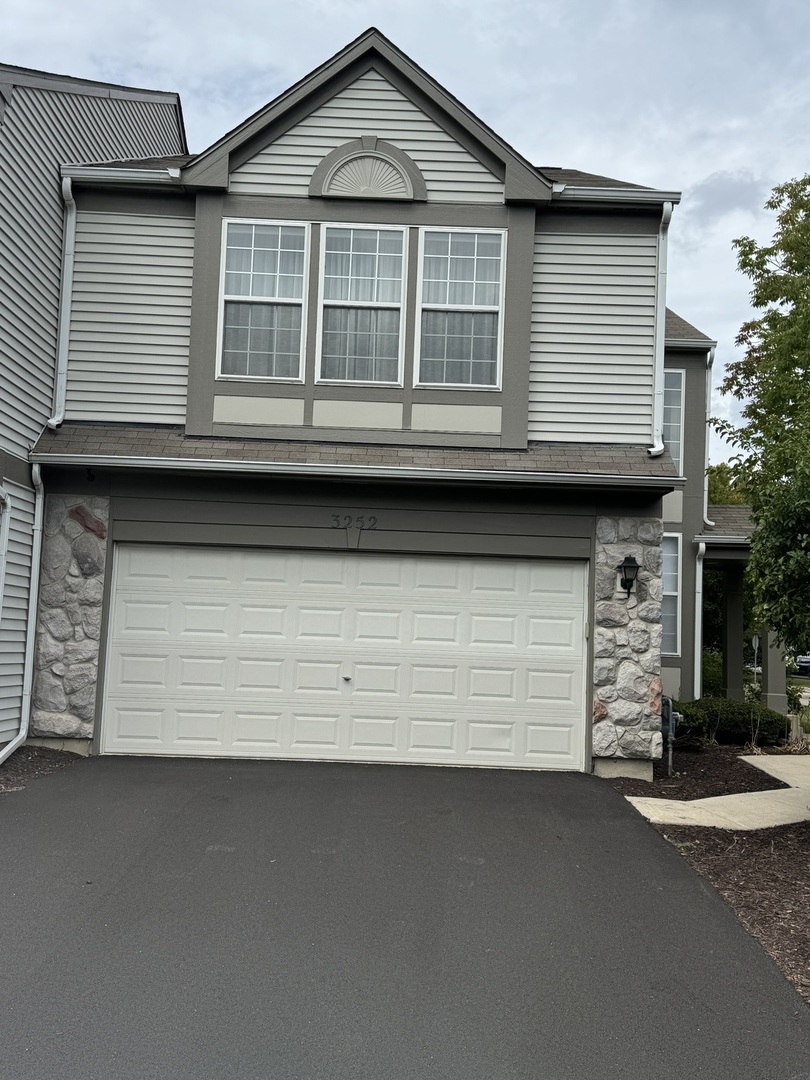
(692, 344)
(571, 193)
(87, 174)
(370, 472)
(723, 541)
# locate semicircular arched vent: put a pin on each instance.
(370, 176)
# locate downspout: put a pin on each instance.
(31, 623)
(5, 530)
(697, 688)
(657, 447)
(65, 304)
(709, 362)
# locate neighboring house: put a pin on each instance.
(45, 121)
(361, 413)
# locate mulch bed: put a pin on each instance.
(763, 875)
(28, 763)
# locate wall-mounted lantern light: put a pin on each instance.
(629, 569)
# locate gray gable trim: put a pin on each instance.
(371, 50)
(154, 447)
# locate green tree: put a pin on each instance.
(725, 487)
(772, 381)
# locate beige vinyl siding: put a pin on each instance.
(42, 129)
(14, 612)
(370, 106)
(129, 327)
(592, 338)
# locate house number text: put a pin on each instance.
(349, 521)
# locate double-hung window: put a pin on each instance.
(262, 326)
(673, 416)
(361, 315)
(462, 292)
(671, 603)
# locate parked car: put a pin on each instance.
(803, 666)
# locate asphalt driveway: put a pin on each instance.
(190, 919)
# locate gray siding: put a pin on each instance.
(593, 337)
(370, 106)
(15, 608)
(42, 129)
(131, 315)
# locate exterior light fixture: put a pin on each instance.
(629, 569)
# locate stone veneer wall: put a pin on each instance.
(627, 641)
(74, 553)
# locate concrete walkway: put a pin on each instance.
(753, 810)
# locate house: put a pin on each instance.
(45, 120)
(358, 415)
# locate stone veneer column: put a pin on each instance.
(627, 641)
(74, 552)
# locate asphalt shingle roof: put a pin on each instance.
(678, 329)
(577, 178)
(729, 521)
(147, 441)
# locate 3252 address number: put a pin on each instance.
(350, 521)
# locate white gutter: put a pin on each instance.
(657, 447)
(5, 530)
(570, 192)
(697, 687)
(31, 623)
(709, 362)
(111, 174)
(65, 305)
(362, 472)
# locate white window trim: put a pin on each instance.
(402, 306)
(679, 538)
(294, 380)
(682, 373)
(420, 306)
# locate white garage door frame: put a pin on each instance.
(312, 654)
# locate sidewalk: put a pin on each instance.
(754, 810)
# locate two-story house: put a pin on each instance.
(45, 120)
(359, 414)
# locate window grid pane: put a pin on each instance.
(459, 347)
(265, 261)
(461, 269)
(360, 344)
(363, 266)
(669, 605)
(673, 408)
(262, 340)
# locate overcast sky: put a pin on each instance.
(709, 97)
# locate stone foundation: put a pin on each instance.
(74, 554)
(627, 641)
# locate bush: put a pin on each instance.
(713, 719)
(712, 673)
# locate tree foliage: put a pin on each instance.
(725, 487)
(772, 380)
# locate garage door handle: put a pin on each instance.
(347, 678)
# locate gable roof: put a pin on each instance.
(370, 50)
(585, 179)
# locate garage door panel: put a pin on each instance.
(339, 655)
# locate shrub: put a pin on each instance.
(712, 673)
(721, 720)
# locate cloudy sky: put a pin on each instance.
(709, 97)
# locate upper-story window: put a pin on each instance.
(673, 416)
(262, 325)
(455, 317)
(361, 332)
(462, 289)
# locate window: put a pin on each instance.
(671, 604)
(462, 291)
(264, 299)
(363, 271)
(673, 415)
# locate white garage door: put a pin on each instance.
(246, 653)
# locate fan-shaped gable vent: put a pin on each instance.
(368, 168)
